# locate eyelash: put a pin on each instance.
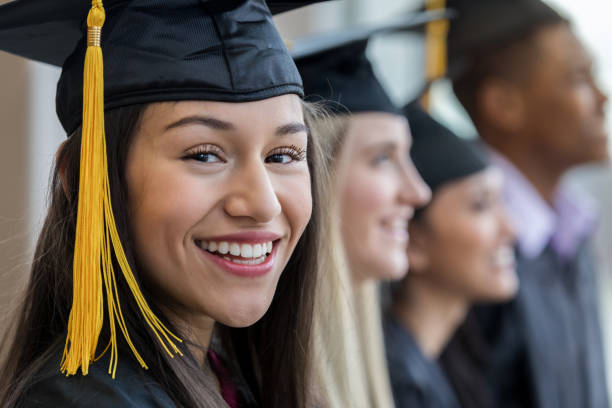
(198, 151)
(296, 153)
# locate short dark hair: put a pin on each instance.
(510, 60)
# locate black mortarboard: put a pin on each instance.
(157, 50)
(127, 52)
(439, 155)
(484, 25)
(337, 72)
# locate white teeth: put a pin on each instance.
(223, 248)
(247, 251)
(234, 249)
(257, 250)
(254, 261)
(504, 256)
(399, 224)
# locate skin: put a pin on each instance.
(378, 191)
(454, 253)
(199, 170)
(551, 118)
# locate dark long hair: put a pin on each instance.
(270, 360)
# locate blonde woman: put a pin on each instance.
(376, 191)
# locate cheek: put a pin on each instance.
(566, 115)
(164, 207)
(467, 245)
(364, 198)
(367, 199)
(295, 197)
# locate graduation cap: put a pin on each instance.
(154, 50)
(438, 154)
(336, 71)
(485, 25)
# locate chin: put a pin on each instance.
(499, 292)
(244, 315)
(394, 270)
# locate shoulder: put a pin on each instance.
(132, 387)
(408, 368)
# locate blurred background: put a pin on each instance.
(31, 132)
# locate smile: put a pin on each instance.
(239, 258)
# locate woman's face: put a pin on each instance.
(219, 194)
(378, 190)
(464, 243)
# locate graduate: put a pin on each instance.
(177, 264)
(526, 81)
(460, 253)
(375, 192)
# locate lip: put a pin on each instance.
(249, 237)
(244, 271)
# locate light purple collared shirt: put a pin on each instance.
(566, 225)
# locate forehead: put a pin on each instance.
(558, 44)
(375, 128)
(268, 112)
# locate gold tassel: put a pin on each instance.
(435, 46)
(97, 237)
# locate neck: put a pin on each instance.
(544, 174)
(431, 314)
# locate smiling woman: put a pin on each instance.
(212, 183)
(209, 193)
(376, 191)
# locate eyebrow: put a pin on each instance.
(291, 128)
(217, 124)
(385, 145)
(202, 120)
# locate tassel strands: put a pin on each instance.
(97, 238)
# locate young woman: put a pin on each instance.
(461, 252)
(213, 207)
(377, 189)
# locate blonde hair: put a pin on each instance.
(349, 362)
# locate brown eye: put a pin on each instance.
(279, 158)
(205, 154)
(205, 157)
(286, 155)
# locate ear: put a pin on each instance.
(418, 248)
(501, 103)
(62, 163)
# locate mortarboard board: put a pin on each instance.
(155, 50)
(484, 25)
(438, 154)
(334, 66)
(184, 49)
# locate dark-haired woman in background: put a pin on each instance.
(460, 253)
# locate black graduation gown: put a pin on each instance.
(465, 362)
(416, 381)
(546, 344)
(132, 387)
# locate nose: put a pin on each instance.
(602, 96)
(413, 189)
(251, 193)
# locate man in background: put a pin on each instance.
(526, 82)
